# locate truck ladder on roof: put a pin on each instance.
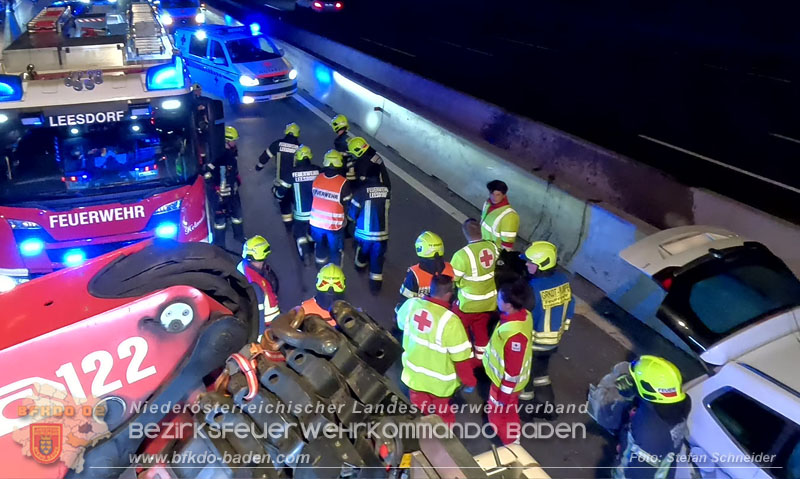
(145, 31)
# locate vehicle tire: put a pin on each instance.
(232, 97)
(326, 377)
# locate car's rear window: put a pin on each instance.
(740, 294)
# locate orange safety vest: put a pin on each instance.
(310, 306)
(327, 211)
(424, 278)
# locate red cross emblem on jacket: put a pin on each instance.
(423, 321)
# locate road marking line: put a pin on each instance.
(531, 45)
(724, 165)
(442, 203)
(581, 306)
(452, 44)
(787, 138)
(778, 79)
(390, 48)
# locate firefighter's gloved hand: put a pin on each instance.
(626, 386)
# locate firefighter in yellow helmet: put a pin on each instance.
(644, 404)
(283, 150)
(341, 127)
(368, 163)
(303, 174)
(255, 268)
(223, 174)
(552, 313)
(430, 251)
(330, 288)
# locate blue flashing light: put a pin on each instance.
(255, 29)
(166, 77)
(10, 88)
(323, 74)
(31, 247)
(167, 229)
(74, 257)
(228, 20)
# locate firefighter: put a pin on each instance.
(283, 151)
(255, 268)
(499, 221)
(507, 361)
(473, 266)
(552, 313)
(224, 175)
(430, 250)
(437, 355)
(331, 193)
(200, 107)
(368, 163)
(645, 405)
(300, 191)
(330, 288)
(341, 126)
(369, 217)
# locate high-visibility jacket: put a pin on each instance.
(269, 307)
(473, 267)
(369, 209)
(421, 284)
(494, 357)
(330, 196)
(283, 151)
(554, 308)
(310, 306)
(499, 225)
(433, 341)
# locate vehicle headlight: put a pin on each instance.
(292, 74)
(23, 225)
(7, 283)
(168, 207)
(166, 18)
(247, 80)
(200, 18)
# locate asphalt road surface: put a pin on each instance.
(705, 92)
(600, 337)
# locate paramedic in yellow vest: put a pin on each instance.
(430, 250)
(552, 314)
(330, 288)
(473, 266)
(436, 352)
(507, 361)
(499, 221)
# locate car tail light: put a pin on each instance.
(317, 5)
(666, 283)
(338, 5)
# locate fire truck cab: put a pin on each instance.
(98, 141)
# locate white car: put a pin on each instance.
(737, 306)
(236, 63)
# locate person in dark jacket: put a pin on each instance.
(341, 126)
(301, 194)
(369, 217)
(368, 163)
(224, 176)
(283, 150)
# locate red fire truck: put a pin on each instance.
(99, 144)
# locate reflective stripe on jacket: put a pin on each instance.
(494, 357)
(499, 225)
(473, 267)
(270, 305)
(424, 279)
(433, 341)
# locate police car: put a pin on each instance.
(236, 63)
(737, 306)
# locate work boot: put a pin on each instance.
(375, 287)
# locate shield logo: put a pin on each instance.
(46, 442)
